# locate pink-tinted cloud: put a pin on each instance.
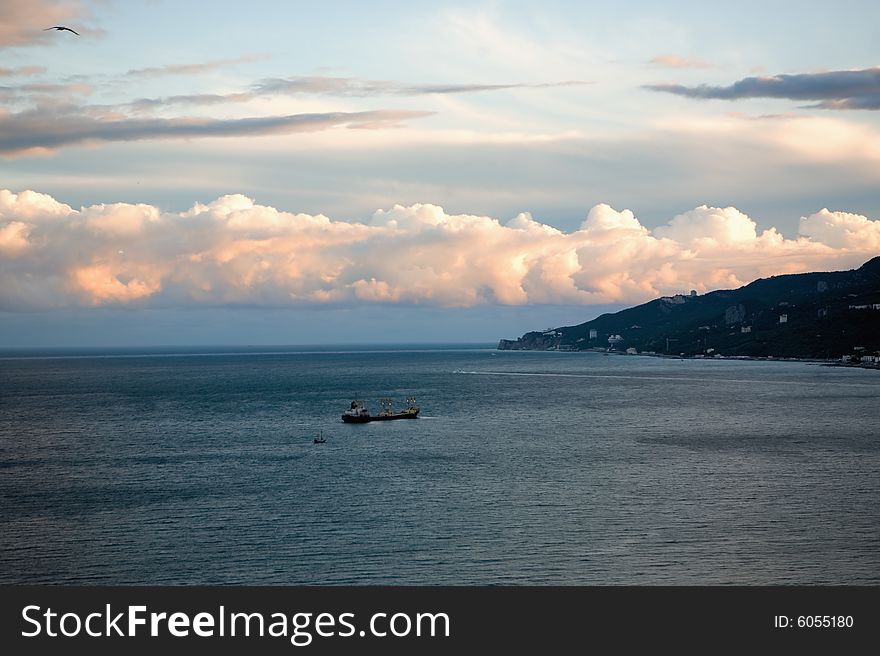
(23, 23)
(193, 68)
(678, 61)
(233, 251)
(842, 230)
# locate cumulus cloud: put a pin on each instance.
(604, 217)
(233, 251)
(41, 129)
(842, 230)
(857, 89)
(715, 224)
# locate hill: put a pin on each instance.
(805, 315)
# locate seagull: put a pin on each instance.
(61, 27)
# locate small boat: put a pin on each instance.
(359, 414)
(320, 439)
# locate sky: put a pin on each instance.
(344, 172)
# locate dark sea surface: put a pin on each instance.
(525, 468)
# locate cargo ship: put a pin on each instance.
(359, 414)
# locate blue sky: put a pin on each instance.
(764, 113)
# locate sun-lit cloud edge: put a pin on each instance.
(235, 252)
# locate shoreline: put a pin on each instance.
(826, 362)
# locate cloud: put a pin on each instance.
(717, 225)
(603, 218)
(857, 89)
(235, 252)
(52, 121)
(47, 88)
(333, 86)
(865, 102)
(345, 86)
(41, 130)
(22, 23)
(13, 237)
(194, 68)
(22, 71)
(842, 230)
(202, 99)
(677, 61)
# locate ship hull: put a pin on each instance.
(363, 419)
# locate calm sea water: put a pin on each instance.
(525, 468)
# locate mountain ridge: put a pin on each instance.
(824, 315)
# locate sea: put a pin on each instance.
(188, 466)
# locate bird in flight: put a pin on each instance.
(60, 28)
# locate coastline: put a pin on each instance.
(826, 362)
